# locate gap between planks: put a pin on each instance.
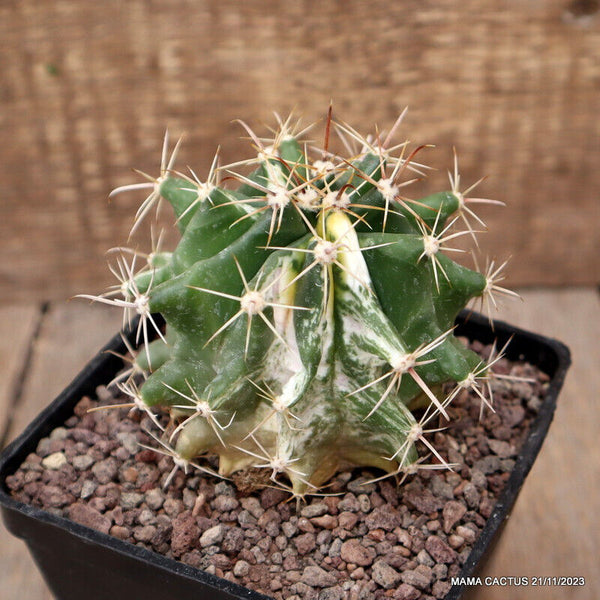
(19, 327)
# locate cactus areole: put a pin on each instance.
(309, 309)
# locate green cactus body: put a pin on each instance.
(309, 317)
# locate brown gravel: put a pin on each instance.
(371, 541)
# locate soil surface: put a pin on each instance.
(364, 540)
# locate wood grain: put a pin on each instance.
(70, 334)
(87, 89)
(18, 325)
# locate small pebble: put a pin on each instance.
(154, 498)
(314, 576)
(314, 510)
(82, 462)
(326, 521)
(85, 515)
(225, 503)
(352, 551)
(466, 533)
(54, 461)
(120, 532)
(439, 550)
(105, 470)
(241, 568)
(212, 536)
(60, 433)
(87, 489)
(416, 579)
(384, 575)
(423, 558)
(145, 533)
(347, 520)
(305, 543)
(406, 591)
(453, 512)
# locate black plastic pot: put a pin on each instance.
(79, 562)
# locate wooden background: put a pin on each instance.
(87, 89)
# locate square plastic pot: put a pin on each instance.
(78, 562)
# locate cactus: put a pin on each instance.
(309, 312)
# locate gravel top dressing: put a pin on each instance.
(360, 540)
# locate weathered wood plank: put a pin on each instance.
(17, 328)
(88, 88)
(69, 336)
(554, 527)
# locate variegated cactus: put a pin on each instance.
(309, 312)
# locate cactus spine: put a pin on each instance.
(309, 312)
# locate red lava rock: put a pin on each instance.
(145, 533)
(349, 503)
(82, 407)
(106, 470)
(80, 434)
(326, 521)
(147, 456)
(389, 492)
(305, 543)
(354, 552)
(194, 559)
(406, 591)
(453, 512)
(384, 575)
(347, 520)
(486, 506)
(305, 525)
(316, 509)
(185, 533)
(423, 500)
(317, 577)
(439, 550)
(221, 561)
(397, 557)
(441, 588)
(16, 481)
(122, 533)
(332, 503)
(270, 521)
(270, 497)
(512, 415)
(471, 495)
(384, 517)
(466, 533)
(52, 496)
(377, 534)
(85, 515)
(225, 503)
(502, 448)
